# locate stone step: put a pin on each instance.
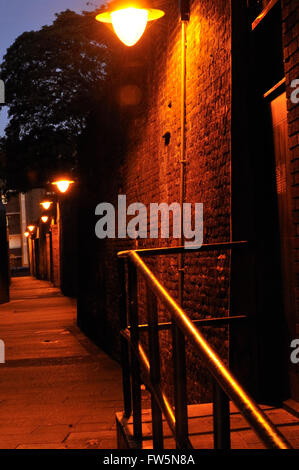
(200, 420)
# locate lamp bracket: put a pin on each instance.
(184, 9)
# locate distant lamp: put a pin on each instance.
(26, 234)
(31, 228)
(46, 204)
(44, 218)
(63, 184)
(129, 20)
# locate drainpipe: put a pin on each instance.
(182, 155)
(178, 342)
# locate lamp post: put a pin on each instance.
(48, 218)
(129, 20)
(44, 247)
(63, 185)
(62, 272)
(30, 236)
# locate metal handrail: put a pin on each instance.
(201, 322)
(228, 384)
(173, 250)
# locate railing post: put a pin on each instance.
(125, 361)
(154, 358)
(179, 368)
(221, 418)
(135, 367)
(180, 387)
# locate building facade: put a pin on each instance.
(241, 163)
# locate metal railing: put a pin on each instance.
(138, 368)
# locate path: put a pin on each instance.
(57, 389)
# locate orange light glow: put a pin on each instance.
(45, 218)
(129, 23)
(26, 234)
(46, 204)
(31, 228)
(63, 185)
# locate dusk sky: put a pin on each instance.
(17, 16)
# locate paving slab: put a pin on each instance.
(58, 390)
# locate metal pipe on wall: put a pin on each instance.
(182, 155)
(178, 338)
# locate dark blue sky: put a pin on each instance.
(17, 16)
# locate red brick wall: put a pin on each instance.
(151, 170)
(48, 254)
(148, 171)
(290, 16)
(55, 255)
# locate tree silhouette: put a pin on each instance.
(55, 79)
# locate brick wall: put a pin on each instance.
(48, 256)
(55, 255)
(290, 16)
(147, 170)
(150, 170)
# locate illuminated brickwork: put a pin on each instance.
(151, 168)
(147, 168)
(55, 255)
(290, 25)
(291, 60)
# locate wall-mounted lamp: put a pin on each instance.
(129, 19)
(63, 184)
(46, 204)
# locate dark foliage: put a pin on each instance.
(55, 79)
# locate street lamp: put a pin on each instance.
(129, 22)
(46, 204)
(26, 234)
(44, 218)
(63, 184)
(129, 19)
(31, 228)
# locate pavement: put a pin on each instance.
(58, 390)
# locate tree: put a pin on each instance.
(55, 79)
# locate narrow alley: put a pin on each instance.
(57, 389)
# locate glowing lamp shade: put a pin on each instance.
(45, 218)
(46, 204)
(31, 228)
(129, 23)
(63, 185)
(26, 234)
